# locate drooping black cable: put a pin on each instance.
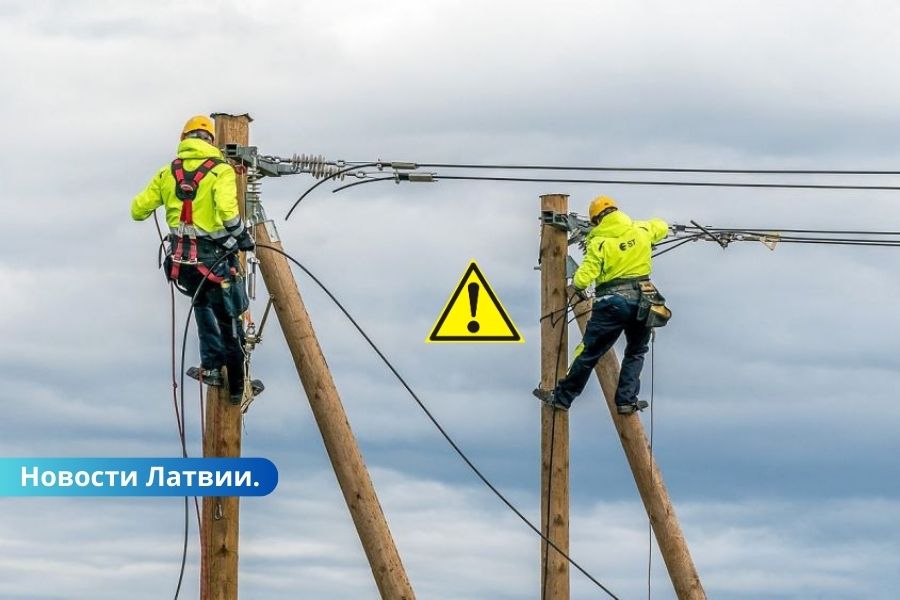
(433, 419)
(184, 452)
(323, 180)
(673, 246)
(179, 415)
(355, 183)
(672, 240)
(178, 419)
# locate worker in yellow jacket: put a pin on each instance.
(199, 193)
(617, 262)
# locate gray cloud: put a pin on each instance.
(775, 422)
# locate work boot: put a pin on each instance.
(548, 397)
(208, 376)
(256, 388)
(636, 406)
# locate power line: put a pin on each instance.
(434, 420)
(784, 230)
(803, 186)
(502, 167)
(436, 177)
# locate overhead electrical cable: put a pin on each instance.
(503, 167)
(727, 184)
(436, 177)
(434, 420)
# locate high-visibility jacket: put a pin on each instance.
(618, 248)
(215, 207)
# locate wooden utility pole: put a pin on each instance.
(554, 422)
(222, 438)
(346, 458)
(648, 478)
(340, 443)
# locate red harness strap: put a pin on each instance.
(186, 185)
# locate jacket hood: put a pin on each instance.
(193, 148)
(612, 225)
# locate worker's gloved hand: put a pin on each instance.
(580, 295)
(245, 242)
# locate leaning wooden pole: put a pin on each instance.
(554, 422)
(648, 478)
(346, 458)
(222, 438)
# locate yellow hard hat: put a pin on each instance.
(199, 123)
(599, 204)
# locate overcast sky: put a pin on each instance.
(776, 412)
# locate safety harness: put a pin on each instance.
(186, 185)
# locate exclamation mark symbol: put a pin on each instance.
(473, 326)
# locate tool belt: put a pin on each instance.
(617, 286)
(212, 271)
(652, 309)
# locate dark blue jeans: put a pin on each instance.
(221, 336)
(610, 317)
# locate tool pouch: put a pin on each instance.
(652, 309)
(234, 295)
(181, 284)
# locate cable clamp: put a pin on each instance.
(770, 241)
(720, 240)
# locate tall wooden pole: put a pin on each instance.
(346, 458)
(222, 437)
(554, 422)
(648, 478)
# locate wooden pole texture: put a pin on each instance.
(222, 438)
(554, 422)
(648, 478)
(340, 444)
(219, 533)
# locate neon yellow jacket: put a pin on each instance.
(215, 208)
(618, 247)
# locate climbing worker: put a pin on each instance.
(199, 192)
(617, 262)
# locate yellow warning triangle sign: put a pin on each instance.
(474, 314)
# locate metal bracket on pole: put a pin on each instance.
(258, 167)
(253, 336)
(572, 223)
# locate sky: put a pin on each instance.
(775, 412)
